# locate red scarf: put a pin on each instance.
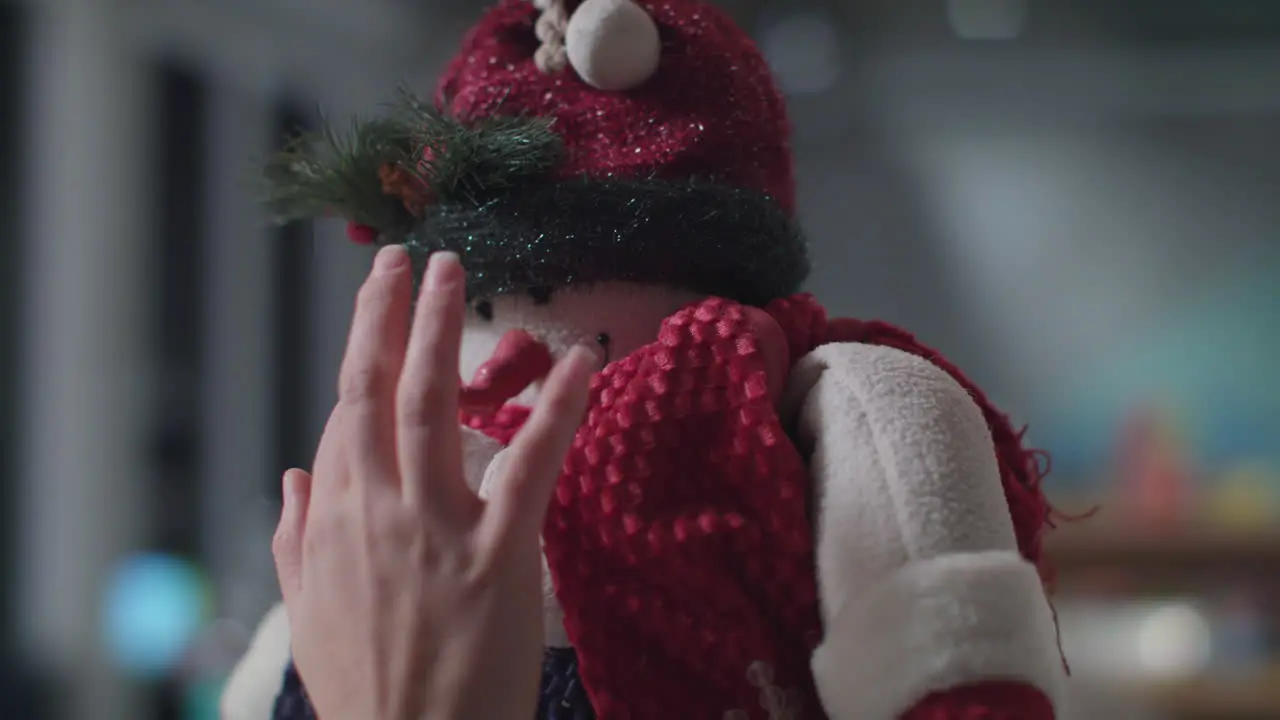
(680, 537)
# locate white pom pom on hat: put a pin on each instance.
(612, 44)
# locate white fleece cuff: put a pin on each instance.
(937, 624)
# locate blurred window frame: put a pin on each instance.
(13, 86)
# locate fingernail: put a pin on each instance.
(390, 259)
(443, 270)
(586, 358)
(290, 489)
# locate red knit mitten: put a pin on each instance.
(985, 701)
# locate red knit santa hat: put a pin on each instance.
(689, 95)
(676, 168)
(586, 141)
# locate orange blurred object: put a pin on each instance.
(1155, 475)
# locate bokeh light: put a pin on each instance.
(155, 606)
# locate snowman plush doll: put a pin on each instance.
(768, 514)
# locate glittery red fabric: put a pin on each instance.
(712, 110)
(679, 537)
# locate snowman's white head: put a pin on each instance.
(615, 318)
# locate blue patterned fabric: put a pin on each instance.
(292, 703)
(562, 696)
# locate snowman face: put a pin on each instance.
(614, 318)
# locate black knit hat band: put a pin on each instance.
(700, 237)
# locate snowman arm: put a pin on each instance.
(250, 692)
(928, 608)
(256, 681)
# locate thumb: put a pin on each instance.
(532, 464)
(286, 546)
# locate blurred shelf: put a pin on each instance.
(1244, 698)
(1192, 553)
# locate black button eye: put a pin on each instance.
(604, 340)
(484, 309)
(541, 295)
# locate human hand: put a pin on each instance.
(408, 596)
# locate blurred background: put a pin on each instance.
(1074, 199)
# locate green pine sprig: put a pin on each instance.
(328, 173)
(465, 161)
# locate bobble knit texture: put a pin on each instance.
(679, 535)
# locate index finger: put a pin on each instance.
(428, 436)
(370, 367)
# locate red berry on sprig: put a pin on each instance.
(362, 234)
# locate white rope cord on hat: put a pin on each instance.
(551, 56)
(612, 44)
